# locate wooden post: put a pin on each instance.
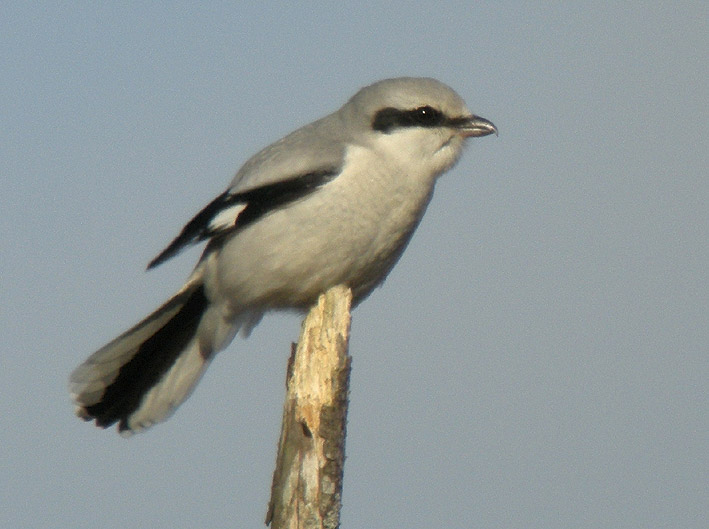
(307, 481)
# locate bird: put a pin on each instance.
(334, 202)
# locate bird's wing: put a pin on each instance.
(234, 210)
(279, 174)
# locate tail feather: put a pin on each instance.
(139, 378)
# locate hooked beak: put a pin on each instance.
(475, 126)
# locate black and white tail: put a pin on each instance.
(139, 378)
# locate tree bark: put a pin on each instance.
(307, 482)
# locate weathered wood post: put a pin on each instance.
(307, 481)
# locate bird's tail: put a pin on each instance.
(139, 378)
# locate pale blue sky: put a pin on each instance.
(538, 358)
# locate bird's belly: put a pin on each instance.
(289, 257)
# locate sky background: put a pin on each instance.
(537, 359)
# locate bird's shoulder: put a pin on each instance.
(315, 148)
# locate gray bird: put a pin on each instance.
(334, 202)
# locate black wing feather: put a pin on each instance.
(258, 202)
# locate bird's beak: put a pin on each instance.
(475, 126)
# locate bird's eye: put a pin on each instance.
(388, 119)
(427, 116)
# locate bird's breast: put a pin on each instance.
(352, 230)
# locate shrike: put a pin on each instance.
(334, 202)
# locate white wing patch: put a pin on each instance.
(226, 218)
